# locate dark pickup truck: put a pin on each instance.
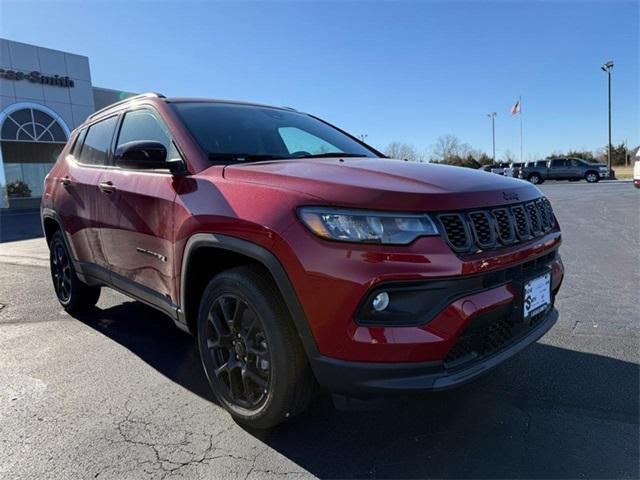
(563, 169)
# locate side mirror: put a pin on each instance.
(146, 155)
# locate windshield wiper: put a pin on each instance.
(242, 157)
(333, 155)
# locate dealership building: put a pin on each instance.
(44, 95)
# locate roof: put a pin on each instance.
(183, 100)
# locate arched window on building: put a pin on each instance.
(31, 125)
(31, 138)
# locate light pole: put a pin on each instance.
(363, 137)
(607, 67)
(493, 131)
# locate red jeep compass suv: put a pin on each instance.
(298, 255)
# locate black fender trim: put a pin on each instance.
(47, 213)
(270, 262)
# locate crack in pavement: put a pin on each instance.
(164, 465)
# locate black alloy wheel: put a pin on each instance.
(250, 350)
(74, 295)
(61, 272)
(239, 352)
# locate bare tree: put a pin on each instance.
(404, 151)
(445, 147)
(508, 156)
(448, 147)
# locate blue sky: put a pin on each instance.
(405, 71)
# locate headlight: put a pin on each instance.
(365, 226)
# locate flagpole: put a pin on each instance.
(520, 101)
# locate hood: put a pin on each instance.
(386, 184)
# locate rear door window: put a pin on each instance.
(97, 143)
(559, 163)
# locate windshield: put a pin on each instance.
(230, 132)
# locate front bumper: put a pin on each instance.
(362, 379)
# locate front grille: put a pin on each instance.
(488, 334)
(492, 331)
(487, 229)
(481, 342)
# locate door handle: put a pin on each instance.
(106, 187)
(66, 181)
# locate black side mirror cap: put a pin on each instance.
(147, 155)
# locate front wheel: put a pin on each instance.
(592, 177)
(250, 351)
(74, 295)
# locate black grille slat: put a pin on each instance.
(505, 225)
(485, 229)
(456, 231)
(534, 218)
(522, 222)
(542, 214)
(546, 205)
(544, 217)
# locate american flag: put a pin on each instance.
(515, 109)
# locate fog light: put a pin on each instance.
(380, 301)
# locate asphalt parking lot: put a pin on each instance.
(120, 394)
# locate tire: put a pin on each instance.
(243, 323)
(592, 177)
(535, 179)
(74, 295)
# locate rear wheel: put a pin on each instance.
(535, 178)
(250, 351)
(592, 177)
(74, 295)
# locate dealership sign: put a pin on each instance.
(37, 77)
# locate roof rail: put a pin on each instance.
(129, 99)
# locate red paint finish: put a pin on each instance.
(257, 202)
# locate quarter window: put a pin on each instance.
(78, 145)
(97, 142)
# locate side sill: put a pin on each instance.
(97, 275)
